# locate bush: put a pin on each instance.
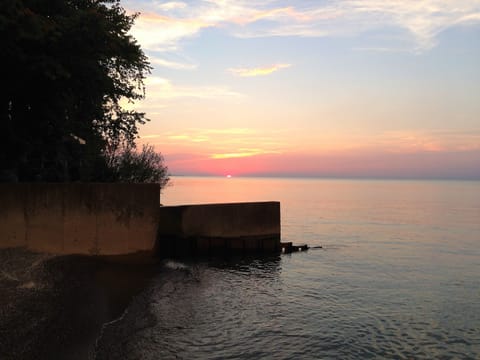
(145, 166)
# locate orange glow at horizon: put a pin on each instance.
(248, 151)
(347, 164)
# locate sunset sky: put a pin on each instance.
(356, 88)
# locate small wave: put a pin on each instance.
(175, 265)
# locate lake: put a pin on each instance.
(398, 276)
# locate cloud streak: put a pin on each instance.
(259, 71)
(172, 5)
(165, 26)
(163, 93)
(224, 143)
(243, 153)
(163, 89)
(171, 64)
(159, 32)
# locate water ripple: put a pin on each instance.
(278, 308)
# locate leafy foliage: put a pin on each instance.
(129, 165)
(66, 65)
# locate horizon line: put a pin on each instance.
(334, 177)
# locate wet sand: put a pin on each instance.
(55, 306)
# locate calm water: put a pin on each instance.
(398, 277)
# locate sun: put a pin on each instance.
(229, 176)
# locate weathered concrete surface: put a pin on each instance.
(234, 227)
(94, 218)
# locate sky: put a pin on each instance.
(334, 88)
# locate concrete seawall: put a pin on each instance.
(234, 227)
(117, 219)
(94, 218)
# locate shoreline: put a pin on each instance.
(57, 305)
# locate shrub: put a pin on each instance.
(145, 166)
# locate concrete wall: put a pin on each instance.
(217, 227)
(106, 219)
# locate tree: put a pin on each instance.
(67, 64)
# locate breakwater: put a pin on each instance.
(118, 219)
(213, 228)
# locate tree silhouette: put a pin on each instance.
(66, 65)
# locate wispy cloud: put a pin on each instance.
(171, 64)
(162, 93)
(163, 32)
(223, 143)
(161, 89)
(165, 25)
(151, 136)
(411, 141)
(172, 5)
(258, 71)
(421, 21)
(227, 131)
(424, 20)
(179, 137)
(221, 136)
(406, 141)
(243, 153)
